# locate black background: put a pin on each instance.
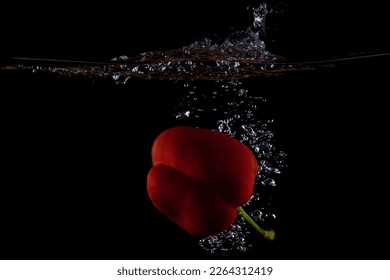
(76, 152)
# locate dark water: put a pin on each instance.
(76, 151)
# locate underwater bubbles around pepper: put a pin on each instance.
(214, 95)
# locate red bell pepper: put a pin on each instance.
(200, 178)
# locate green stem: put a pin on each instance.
(267, 234)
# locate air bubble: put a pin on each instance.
(270, 216)
(269, 182)
(183, 115)
(249, 130)
(256, 215)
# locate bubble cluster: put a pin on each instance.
(229, 107)
(234, 240)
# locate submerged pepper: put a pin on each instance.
(200, 178)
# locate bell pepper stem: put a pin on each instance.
(267, 234)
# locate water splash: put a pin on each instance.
(205, 58)
(248, 44)
(241, 55)
(259, 16)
